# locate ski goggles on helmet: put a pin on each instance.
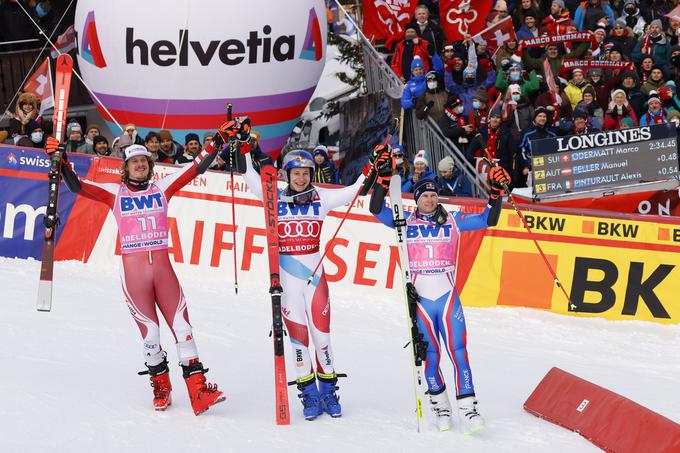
(305, 197)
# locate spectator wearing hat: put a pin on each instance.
(74, 137)
(504, 54)
(429, 30)
(455, 124)
(192, 146)
(208, 136)
(416, 86)
(169, 147)
(632, 16)
(590, 105)
(518, 112)
(618, 109)
(524, 9)
(590, 12)
(514, 75)
(669, 98)
(100, 146)
(406, 52)
(421, 170)
(580, 124)
(403, 166)
(529, 28)
(653, 43)
(655, 113)
(451, 181)
(555, 55)
(654, 81)
(479, 113)
(432, 102)
(325, 172)
(34, 138)
(539, 129)
(622, 36)
(557, 106)
(601, 86)
(499, 12)
(494, 141)
(629, 84)
(558, 21)
(576, 87)
(25, 111)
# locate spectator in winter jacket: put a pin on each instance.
(538, 130)
(34, 137)
(576, 86)
(494, 141)
(455, 124)
(522, 11)
(590, 105)
(169, 146)
(407, 50)
(672, 69)
(452, 182)
(518, 112)
(26, 110)
(619, 108)
(589, 13)
(558, 21)
(152, 142)
(421, 170)
(74, 137)
(629, 84)
(416, 86)
(404, 167)
(433, 101)
(429, 30)
(632, 16)
(655, 44)
(192, 146)
(325, 172)
(514, 75)
(655, 113)
(100, 146)
(555, 56)
(622, 37)
(580, 124)
(654, 82)
(529, 27)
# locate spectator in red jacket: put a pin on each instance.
(404, 52)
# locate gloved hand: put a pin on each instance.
(429, 106)
(237, 128)
(381, 159)
(51, 145)
(498, 181)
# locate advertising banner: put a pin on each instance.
(621, 267)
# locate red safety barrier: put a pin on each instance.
(610, 421)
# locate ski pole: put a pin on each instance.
(533, 238)
(232, 152)
(362, 190)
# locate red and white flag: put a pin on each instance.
(40, 84)
(386, 19)
(463, 17)
(496, 35)
(65, 42)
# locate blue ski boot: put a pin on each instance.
(329, 400)
(309, 395)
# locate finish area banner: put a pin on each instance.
(621, 267)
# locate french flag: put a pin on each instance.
(568, 185)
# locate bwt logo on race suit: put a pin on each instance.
(153, 202)
(299, 228)
(428, 231)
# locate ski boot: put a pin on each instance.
(441, 408)
(160, 381)
(309, 394)
(202, 395)
(471, 421)
(329, 400)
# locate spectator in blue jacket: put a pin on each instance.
(416, 86)
(655, 44)
(590, 12)
(421, 170)
(325, 172)
(452, 182)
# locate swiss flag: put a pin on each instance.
(40, 84)
(386, 19)
(496, 35)
(565, 158)
(463, 17)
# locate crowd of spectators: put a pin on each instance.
(498, 104)
(15, 25)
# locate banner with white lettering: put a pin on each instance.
(604, 159)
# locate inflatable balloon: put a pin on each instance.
(175, 64)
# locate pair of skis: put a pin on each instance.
(64, 70)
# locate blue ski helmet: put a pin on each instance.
(298, 159)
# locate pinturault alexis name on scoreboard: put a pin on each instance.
(604, 159)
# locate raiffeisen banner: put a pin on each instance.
(179, 70)
(621, 267)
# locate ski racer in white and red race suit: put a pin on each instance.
(140, 207)
(433, 238)
(306, 307)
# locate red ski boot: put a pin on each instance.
(160, 381)
(202, 395)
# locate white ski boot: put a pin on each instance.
(441, 408)
(470, 420)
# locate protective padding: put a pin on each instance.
(608, 420)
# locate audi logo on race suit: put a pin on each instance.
(299, 237)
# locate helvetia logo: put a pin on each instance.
(12, 159)
(90, 50)
(259, 47)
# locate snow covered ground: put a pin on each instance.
(68, 381)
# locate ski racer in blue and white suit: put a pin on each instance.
(306, 307)
(433, 240)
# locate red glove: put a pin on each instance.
(51, 145)
(238, 128)
(498, 181)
